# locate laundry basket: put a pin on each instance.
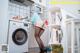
(57, 48)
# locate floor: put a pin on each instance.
(36, 50)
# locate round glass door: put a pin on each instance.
(19, 36)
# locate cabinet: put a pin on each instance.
(73, 35)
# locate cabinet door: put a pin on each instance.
(69, 37)
(77, 40)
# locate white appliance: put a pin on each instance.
(18, 37)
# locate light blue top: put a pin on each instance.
(35, 17)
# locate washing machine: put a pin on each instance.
(18, 37)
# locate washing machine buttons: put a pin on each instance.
(25, 24)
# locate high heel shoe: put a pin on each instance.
(46, 49)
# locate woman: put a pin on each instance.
(38, 25)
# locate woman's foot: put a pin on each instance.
(46, 49)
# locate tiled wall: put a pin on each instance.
(18, 10)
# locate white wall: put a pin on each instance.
(3, 20)
(63, 26)
(32, 41)
(72, 8)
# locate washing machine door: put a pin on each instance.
(19, 36)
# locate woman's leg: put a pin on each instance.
(38, 33)
(41, 32)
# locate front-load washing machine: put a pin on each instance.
(18, 37)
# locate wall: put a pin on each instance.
(63, 25)
(3, 21)
(72, 8)
(32, 41)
